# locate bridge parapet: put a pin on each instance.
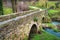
(11, 25)
(10, 16)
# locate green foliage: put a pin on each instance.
(52, 7)
(35, 19)
(31, 8)
(54, 13)
(44, 5)
(50, 4)
(7, 11)
(40, 5)
(57, 4)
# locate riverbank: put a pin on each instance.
(45, 36)
(54, 25)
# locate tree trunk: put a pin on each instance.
(1, 7)
(14, 2)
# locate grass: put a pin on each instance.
(45, 36)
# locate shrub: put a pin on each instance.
(7, 10)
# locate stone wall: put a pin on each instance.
(10, 16)
(19, 27)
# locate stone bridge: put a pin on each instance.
(18, 26)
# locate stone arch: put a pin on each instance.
(32, 31)
(43, 19)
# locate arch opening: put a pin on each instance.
(33, 31)
(43, 20)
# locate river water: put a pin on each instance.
(51, 31)
(55, 22)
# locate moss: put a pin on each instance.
(35, 19)
(46, 19)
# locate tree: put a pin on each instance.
(57, 4)
(14, 3)
(1, 7)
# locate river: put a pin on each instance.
(55, 22)
(51, 31)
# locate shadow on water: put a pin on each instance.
(33, 31)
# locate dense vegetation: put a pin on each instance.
(54, 13)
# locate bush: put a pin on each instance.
(57, 4)
(7, 11)
(54, 13)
